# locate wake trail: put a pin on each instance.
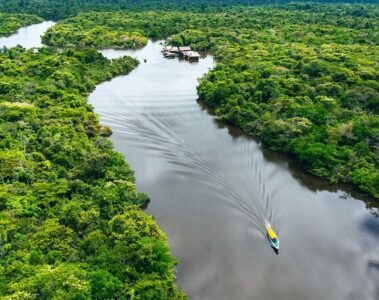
(155, 132)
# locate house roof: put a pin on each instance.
(193, 54)
(185, 48)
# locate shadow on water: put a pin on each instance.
(296, 169)
(155, 132)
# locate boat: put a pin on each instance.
(272, 238)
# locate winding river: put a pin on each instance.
(212, 189)
(28, 37)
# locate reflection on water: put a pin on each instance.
(295, 168)
(28, 37)
(210, 187)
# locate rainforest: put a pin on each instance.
(9, 23)
(300, 78)
(71, 221)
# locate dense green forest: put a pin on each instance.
(57, 9)
(9, 23)
(71, 224)
(303, 78)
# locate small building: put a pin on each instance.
(184, 49)
(170, 49)
(192, 55)
(167, 48)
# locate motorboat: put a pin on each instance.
(272, 238)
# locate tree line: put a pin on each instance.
(71, 224)
(9, 23)
(57, 9)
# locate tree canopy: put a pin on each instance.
(57, 9)
(9, 23)
(71, 224)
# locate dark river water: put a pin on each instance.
(213, 189)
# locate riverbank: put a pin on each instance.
(71, 219)
(10, 23)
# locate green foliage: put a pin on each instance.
(57, 9)
(96, 30)
(115, 30)
(66, 281)
(9, 23)
(71, 225)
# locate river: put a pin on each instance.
(212, 189)
(28, 37)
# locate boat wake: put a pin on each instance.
(155, 131)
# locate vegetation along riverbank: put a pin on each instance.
(71, 224)
(303, 78)
(9, 23)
